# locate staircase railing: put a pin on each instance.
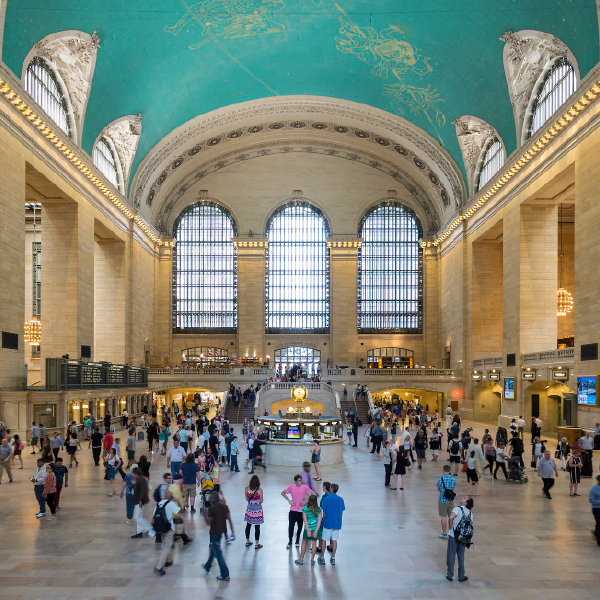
(224, 402)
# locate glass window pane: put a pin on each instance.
(297, 270)
(204, 270)
(104, 159)
(493, 161)
(390, 271)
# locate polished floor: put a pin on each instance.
(525, 546)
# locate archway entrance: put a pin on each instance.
(545, 399)
(431, 399)
(487, 402)
(307, 359)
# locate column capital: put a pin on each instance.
(344, 247)
(250, 247)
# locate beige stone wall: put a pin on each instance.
(12, 257)
(451, 304)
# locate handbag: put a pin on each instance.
(448, 494)
(464, 468)
(533, 463)
(557, 454)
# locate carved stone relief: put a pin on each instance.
(125, 135)
(472, 134)
(526, 56)
(167, 151)
(73, 54)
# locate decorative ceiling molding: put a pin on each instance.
(178, 196)
(73, 55)
(527, 56)
(3, 4)
(473, 135)
(227, 121)
(124, 133)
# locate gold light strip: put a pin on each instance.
(580, 105)
(354, 244)
(250, 244)
(27, 111)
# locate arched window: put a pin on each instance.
(42, 86)
(559, 83)
(204, 270)
(297, 270)
(104, 159)
(390, 271)
(491, 163)
(308, 359)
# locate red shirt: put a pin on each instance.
(107, 442)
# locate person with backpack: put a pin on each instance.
(460, 534)
(140, 499)
(162, 522)
(420, 445)
(454, 449)
(517, 448)
(445, 485)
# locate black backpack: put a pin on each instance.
(156, 495)
(160, 523)
(518, 448)
(463, 532)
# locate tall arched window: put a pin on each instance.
(491, 163)
(42, 86)
(104, 159)
(559, 83)
(297, 270)
(390, 271)
(204, 270)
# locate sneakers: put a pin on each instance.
(160, 571)
(40, 515)
(136, 536)
(332, 561)
(288, 546)
(221, 578)
(442, 536)
(465, 578)
(321, 560)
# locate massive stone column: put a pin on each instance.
(12, 260)
(251, 295)
(344, 299)
(530, 255)
(68, 280)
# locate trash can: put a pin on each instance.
(141, 435)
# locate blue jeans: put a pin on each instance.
(214, 551)
(175, 466)
(455, 550)
(129, 505)
(39, 494)
(234, 463)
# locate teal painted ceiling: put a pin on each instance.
(429, 61)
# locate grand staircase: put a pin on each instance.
(237, 414)
(361, 407)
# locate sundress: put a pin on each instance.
(254, 511)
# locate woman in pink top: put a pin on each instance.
(299, 493)
(50, 490)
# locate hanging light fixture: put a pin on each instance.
(564, 300)
(33, 328)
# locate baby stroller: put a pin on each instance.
(207, 488)
(516, 472)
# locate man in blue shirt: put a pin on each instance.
(62, 478)
(189, 470)
(595, 502)
(233, 449)
(445, 505)
(333, 506)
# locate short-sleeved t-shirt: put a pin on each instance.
(131, 443)
(459, 512)
(171, 509)
(546, 467)
(218, 512)
(333, 506)
(189, 471)
(60, 474)
(297, 492)
(176, 454)
(311, 517)
(449, 484)
(183, 435)
(97, 439)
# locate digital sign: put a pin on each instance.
(586, 390)
(509, 388)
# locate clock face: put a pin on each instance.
(299, 393)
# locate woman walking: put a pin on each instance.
(400, 469)
(388, 461)
(574, 467)
(72, 448)
(50, 490)
(18, 447)
(127, 488)
(311, 516)
(367, 434)
(316, 459)
(46, 450)
(562, 451)
(537, 451)
(254, 512)
(472, 473)
(112, 466)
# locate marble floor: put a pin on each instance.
(525, 546)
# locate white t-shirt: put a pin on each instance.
(521, 423)
(500, 453)
(171, 509)
(176, 454)
(459, 513)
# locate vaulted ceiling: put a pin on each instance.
(428, 61)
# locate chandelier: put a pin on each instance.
(33, 332)
(564, 300)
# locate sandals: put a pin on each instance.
(258, 546)
(248, 544)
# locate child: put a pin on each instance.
(312, 516)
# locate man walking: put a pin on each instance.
(140, 499)
(57, 444)
(175, 456)
(548, 471)
(376, 438)
(35, 436)
(62, 478)
(6, 453)
(168, 509)
(520, 426)
(217, 516)
(445, 485)
(96, 445)
(234, 452)
(595, 502)
(333, 506)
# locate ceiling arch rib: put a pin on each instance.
(336, 122)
